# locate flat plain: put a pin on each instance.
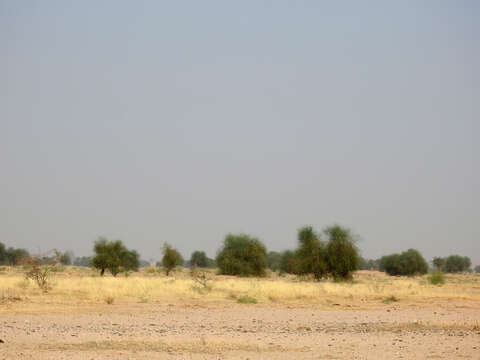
(150, 316)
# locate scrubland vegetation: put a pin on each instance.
(82, 285)
(318, 271)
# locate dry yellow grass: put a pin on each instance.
(76, 285)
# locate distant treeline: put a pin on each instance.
(11, 256)
(336, 257)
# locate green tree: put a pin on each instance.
(457, 264)
(439, 263)
(3, 254)
(15, 256)
(242, 255)
(342, 253)
(200, 259)
(409, 263)
(477, 269)
(311, 254)
(171, 258)
(114, 257)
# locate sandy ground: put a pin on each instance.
(241, 331)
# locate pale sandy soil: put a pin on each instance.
(441, 330)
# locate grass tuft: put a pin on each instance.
(390, 299)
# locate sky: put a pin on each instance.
(182, 121)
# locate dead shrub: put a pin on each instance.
(40, 274)
(201, 280)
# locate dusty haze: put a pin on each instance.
(152, 122)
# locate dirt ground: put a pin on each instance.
(448, 330)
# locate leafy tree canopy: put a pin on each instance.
(409, 262)
(114, 257)
(311, 254)
(242, 255)
(171, 258)
(342, 253)
(200, 259)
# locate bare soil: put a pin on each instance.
(449, 330)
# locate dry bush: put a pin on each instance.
(40, 274)
(201, 280)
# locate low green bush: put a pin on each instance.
(246, 300)
(436, 278)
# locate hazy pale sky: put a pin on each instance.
(181, 121)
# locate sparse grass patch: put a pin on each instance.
(23, 284)
(109, 299)
(246, 300)
(143, 299)
(58, 268)
(272, 298)
(151, 270)
(9, 295)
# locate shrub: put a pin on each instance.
(342, 253)
(242, 255)
(436, 278)
(171, 258)
(40, 274)
(114, 257)
(310, 255)
(409, 262)
(201, 280)
(246, 300)
(477, 269)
